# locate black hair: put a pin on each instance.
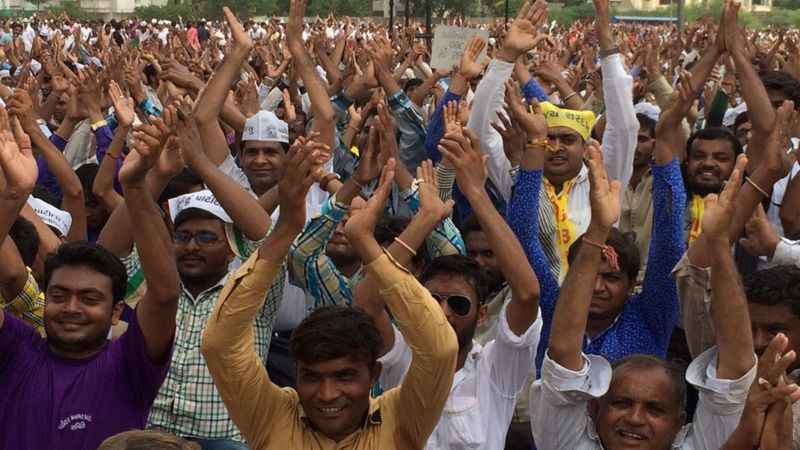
(44, 194)
(714, 134)
(647, 123)
(675, 372)
(412, 83)
(94, 256)
(193, 214)
(783, 82)
(741, 118)
(461, 266)
(87, 173)
(778, 285)
(390, 227)
(26, 238)
(470, 225)
(180, 184)
(334, 332)
(629, 258)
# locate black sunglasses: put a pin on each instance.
(459, 304)
(203, 238)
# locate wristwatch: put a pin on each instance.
(605, 53)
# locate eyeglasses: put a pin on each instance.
(203, 238)
(459, 304)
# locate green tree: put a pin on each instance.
(38, 3)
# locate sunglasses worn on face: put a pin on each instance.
(203, 239)
(459, 304)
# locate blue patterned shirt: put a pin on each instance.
(646, 321)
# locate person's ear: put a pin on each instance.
(594, 409)
(483, 314)
(116, 312)
(375, 373)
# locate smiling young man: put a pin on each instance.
(583, 402)
(75, 388)
(335, 348)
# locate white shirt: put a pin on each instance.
(560, 419)
(484, 392)
(619, 139)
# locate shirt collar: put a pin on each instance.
(219, 285)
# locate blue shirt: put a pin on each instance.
(646, 321)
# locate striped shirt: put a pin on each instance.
(326, 284)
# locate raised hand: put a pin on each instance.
(775, 160)
(294, 26)
(530, 118)
(430, 202)
(20, 106)
(603, 195)
(16, 156)
(241, 39)
(360, 227)
(148, 141)
(732, 38)
(369, 162)
(123, 105)
(523, 35)
(719, 209)
(469, 66)
(669, 132)
(452, 121)
(296, 179)
(513, 137)
(463, 154)
(761, 238)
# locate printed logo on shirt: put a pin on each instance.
(75, 422)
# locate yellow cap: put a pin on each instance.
(580, 121)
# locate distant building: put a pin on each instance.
(755, 6)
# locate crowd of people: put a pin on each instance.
(298, 235)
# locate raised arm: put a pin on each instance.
(103, 187)
(228, 340)
(19, 169)
(208, 106)
(790, 208)
(157, 310)
(463, 153)
(243, 208)
(420, 319)
(619, 138)
(729, 312)
(72, 201)
(572, 308)
(759, 107)
(317, 93)
(431, 212)
(522, 36)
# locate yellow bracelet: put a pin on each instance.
(99, 124)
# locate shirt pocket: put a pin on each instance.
(466, 424)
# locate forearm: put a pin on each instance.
(489, 97)
(730, 314)
(13, 274)
(572, 308)
(619, 139)
(512, 262)
(216, 90)
(103, 186)
(67, 180)
(153, 243)
(317, 94)
(419, 95)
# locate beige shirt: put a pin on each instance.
(694, 293)
(637, 218)
(270, 417)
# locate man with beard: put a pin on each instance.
(583, 402)
(710, 157)
(488, 378)
(75, 388)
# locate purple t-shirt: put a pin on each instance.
(51, 402)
